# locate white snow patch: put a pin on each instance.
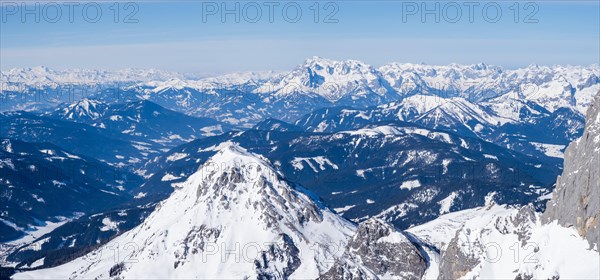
(343, 209)
(321, 161)
(140, 195)
(176, 156)
(446, 203)
(409, 185)
(109, 225)
(490, 156)
(550, 150)
(169, 177)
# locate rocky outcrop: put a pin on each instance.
(279, 261)
(576, 198)
(456, 263)
(466, 251)
(377, 251)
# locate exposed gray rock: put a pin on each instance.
(279, 261)
(377, 249)
(461, 257)
(519, 224)
(195, 242)
(116, 269)
(576, 198)
(454, 262)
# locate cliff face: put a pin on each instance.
(576, 198)
(378, 251)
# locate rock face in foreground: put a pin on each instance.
(378, 251)
(576, 198)
(465, 252)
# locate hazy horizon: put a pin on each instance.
(189, 37)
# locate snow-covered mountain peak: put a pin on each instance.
(246, 185)
(329, 79)
(83, 110)
(85, 104)
(235, 218)
(232, 152)
(315, 60)
(40, 69)
(232, 156)
(317, 63)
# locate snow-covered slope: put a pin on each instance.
(522, 126)
(501, 242)
(236, 217)
(346, 118)
(157, 124)
(459, 116)
(113, 147)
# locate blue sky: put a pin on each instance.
(188, 36)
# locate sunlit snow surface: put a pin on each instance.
(550, 250)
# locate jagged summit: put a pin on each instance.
(329, 79)
(242, 185)
(237, 165)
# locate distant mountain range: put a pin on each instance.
(244, 99)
